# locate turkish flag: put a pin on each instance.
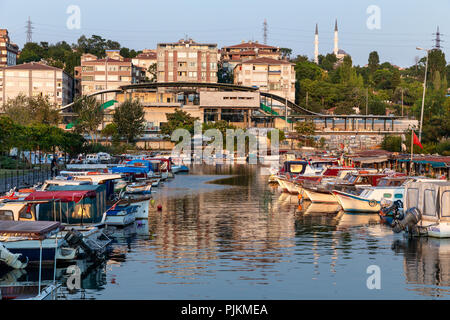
(416, 141)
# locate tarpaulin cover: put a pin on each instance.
(65, 196)
(141, 163)
(129, 170)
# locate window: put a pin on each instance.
(6, 215)
(181, 54)
(192, 64)
(26, 213)
(100, 68)
(429, 203)
(192, 54)
(445, 205)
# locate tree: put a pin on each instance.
(374, 62)
(286, 53)
(111, 131)
(31, 110)
(129, 119)
(89, 116)
(152, 71)
(178, 120)
(392, 143)
(305, 130)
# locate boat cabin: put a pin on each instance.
(431, 198)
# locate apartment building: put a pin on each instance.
(108, 73)
(232, 55)
(34, 79)
(269, 75)
(8, 50)
(144, 60)
(187, 61)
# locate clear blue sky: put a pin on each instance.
(142, 24)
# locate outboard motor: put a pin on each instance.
(15, 261)
(75, 239)
(409, 221)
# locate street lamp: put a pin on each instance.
(424, 89)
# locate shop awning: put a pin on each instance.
(434, 164)
(367, 160)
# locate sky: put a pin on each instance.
(140, 24)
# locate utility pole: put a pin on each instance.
(424, 90)
(367, 100)
(402, 102)
(29, 31)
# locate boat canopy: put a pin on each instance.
(295, 166)
(431, 198)
(63, 196)
(35, 230)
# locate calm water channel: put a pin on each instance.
(239, 238)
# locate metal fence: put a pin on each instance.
(23, 178)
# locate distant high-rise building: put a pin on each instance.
(8, 50)
(34, 79)
(187, 61)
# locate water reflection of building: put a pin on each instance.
(194, 233)
(427, 264)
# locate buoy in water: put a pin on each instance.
(152, 202)
(159, 207)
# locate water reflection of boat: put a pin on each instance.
(349, 220)
(321, 207)
(426, 263)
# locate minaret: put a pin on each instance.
(336, 39)
(316, 45)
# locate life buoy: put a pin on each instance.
(373, 203)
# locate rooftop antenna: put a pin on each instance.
(438, 39)
(265, 31)
(29, 30)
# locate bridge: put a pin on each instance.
(331, 123)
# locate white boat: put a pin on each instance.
(426, 210)
(120, 215)
(368, 199)
(140, 188)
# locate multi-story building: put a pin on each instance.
(107, 73)
(187, 61)
(144, 60)
(232, 55)
(8, 50)
(269, 75)
(33, 79)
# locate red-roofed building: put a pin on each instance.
(110, 72)
(269, 75)
(232, 55)
(36, 79)
(146, 59)
(8, 50)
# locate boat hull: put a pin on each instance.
(353, 203)
(320, 197)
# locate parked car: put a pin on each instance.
(91, 158)
(104, 157)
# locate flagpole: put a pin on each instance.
(412, 150)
